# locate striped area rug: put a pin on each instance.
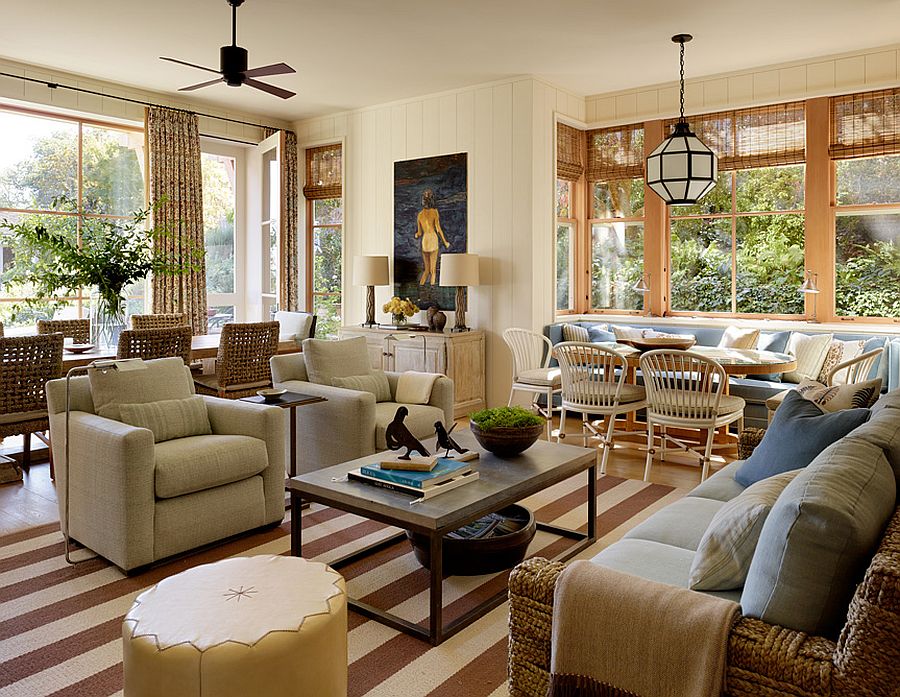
(60, 626)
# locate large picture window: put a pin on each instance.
(219, 229)
(566, 234)
(63, 172)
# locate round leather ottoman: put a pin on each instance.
(261, 625)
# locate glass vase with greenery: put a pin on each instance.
(106, 257)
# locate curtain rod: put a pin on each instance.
(57, 85)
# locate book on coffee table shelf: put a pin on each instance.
(442, 470)
(420, 494)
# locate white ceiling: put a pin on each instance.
(353, 53)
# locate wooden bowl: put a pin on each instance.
(78, 348)
(507, 442)
(662, 342)
(270, 394)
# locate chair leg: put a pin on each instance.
(512, 391)
(26, 450)
(584, 429)
(561, 431)
(608, 444)
(50, 452)
(650, 450)
(710, 434)
(549, 413)
(662, 444)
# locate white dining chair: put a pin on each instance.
(532, 373)
(593, 384)
(686, 390)
(853, 370)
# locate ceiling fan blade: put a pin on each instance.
(274, 69)
(190, 65)
(189, 88)
(271, 89)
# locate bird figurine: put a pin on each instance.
(444, 440)
(397, 436)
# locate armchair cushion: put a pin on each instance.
(420, 420)
(376, 383)
(161, 379)
(170, 418)
(196, 463)
(327, 360)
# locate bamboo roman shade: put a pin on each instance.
(569, 152)
(323, 172)
(765, 136)
(865, 124)
(615, 153)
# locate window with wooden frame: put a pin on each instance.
(865, 148)
(325, 236)
(569, 184)
(741, 249)
(63, 172)
(615, 176)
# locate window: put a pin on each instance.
(43, 180)
(616, 218)
(566, 226)
(325, 237)
(219, 199)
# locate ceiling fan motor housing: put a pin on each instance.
(233, 64)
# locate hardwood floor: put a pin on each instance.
(33, 500)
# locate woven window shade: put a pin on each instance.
(765, 136)
(865, 124)
(569, 152)
(323, 172)
(615, 153)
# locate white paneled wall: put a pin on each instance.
(507, 130)
(853, 72)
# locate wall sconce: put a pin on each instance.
(810, 287)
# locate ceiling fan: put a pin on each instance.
(233, 65)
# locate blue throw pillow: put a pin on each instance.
(597, 335)
(774, 341)
(799, 431)
(879, 369)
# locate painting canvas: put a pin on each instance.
(430, 220)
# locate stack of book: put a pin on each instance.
(427, 480)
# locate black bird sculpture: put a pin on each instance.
(397, 436)
(444, 440)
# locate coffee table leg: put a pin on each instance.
(293, 469)
(592, 503)
(296, 525)
(437, 586)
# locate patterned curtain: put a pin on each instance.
(289, 256)
(173, 143)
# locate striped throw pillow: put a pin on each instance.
(575, 332)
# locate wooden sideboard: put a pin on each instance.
(459, 356)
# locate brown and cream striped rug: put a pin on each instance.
(60, 626)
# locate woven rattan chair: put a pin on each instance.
(1, 328)
(78, 330)
(242, 363)
(593, 382)
(532, 373)
(26, 364)
(159, 321)
(763, 659)
(156, 343)
(686, 390)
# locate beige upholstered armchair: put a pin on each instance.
(351, 423)
(141, 493)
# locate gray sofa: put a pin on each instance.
(753, 390)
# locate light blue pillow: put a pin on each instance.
(799, 431)
(771, 341)
(597, 335)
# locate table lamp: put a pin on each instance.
(371, 271)
(460, 270)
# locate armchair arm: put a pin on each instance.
(337, 430)
(111, 486)
(231, 417)
(748, 440)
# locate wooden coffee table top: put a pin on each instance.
(502, 481)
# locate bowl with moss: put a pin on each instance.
(506, 431)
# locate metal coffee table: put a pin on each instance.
(501, 483)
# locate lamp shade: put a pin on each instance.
(682, 169)
(459, 270)
(371, 271)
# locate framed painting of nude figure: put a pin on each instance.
(430, 218)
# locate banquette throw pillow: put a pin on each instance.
(810, 351)
(736, 337)
(859, 395)
(575, 332)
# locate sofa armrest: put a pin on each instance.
(748, 440)
(531, 586)
(111, 486)
(232, 417)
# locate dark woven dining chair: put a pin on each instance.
(159, 321)
(242, 362)
(156, 343)
(78, 330)
(26, 364)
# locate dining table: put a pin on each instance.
(202, 346)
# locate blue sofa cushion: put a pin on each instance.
(771, 341)
(598, 335)
(799, 431)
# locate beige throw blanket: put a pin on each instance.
(617, 635)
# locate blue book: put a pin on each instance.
(444, 469)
